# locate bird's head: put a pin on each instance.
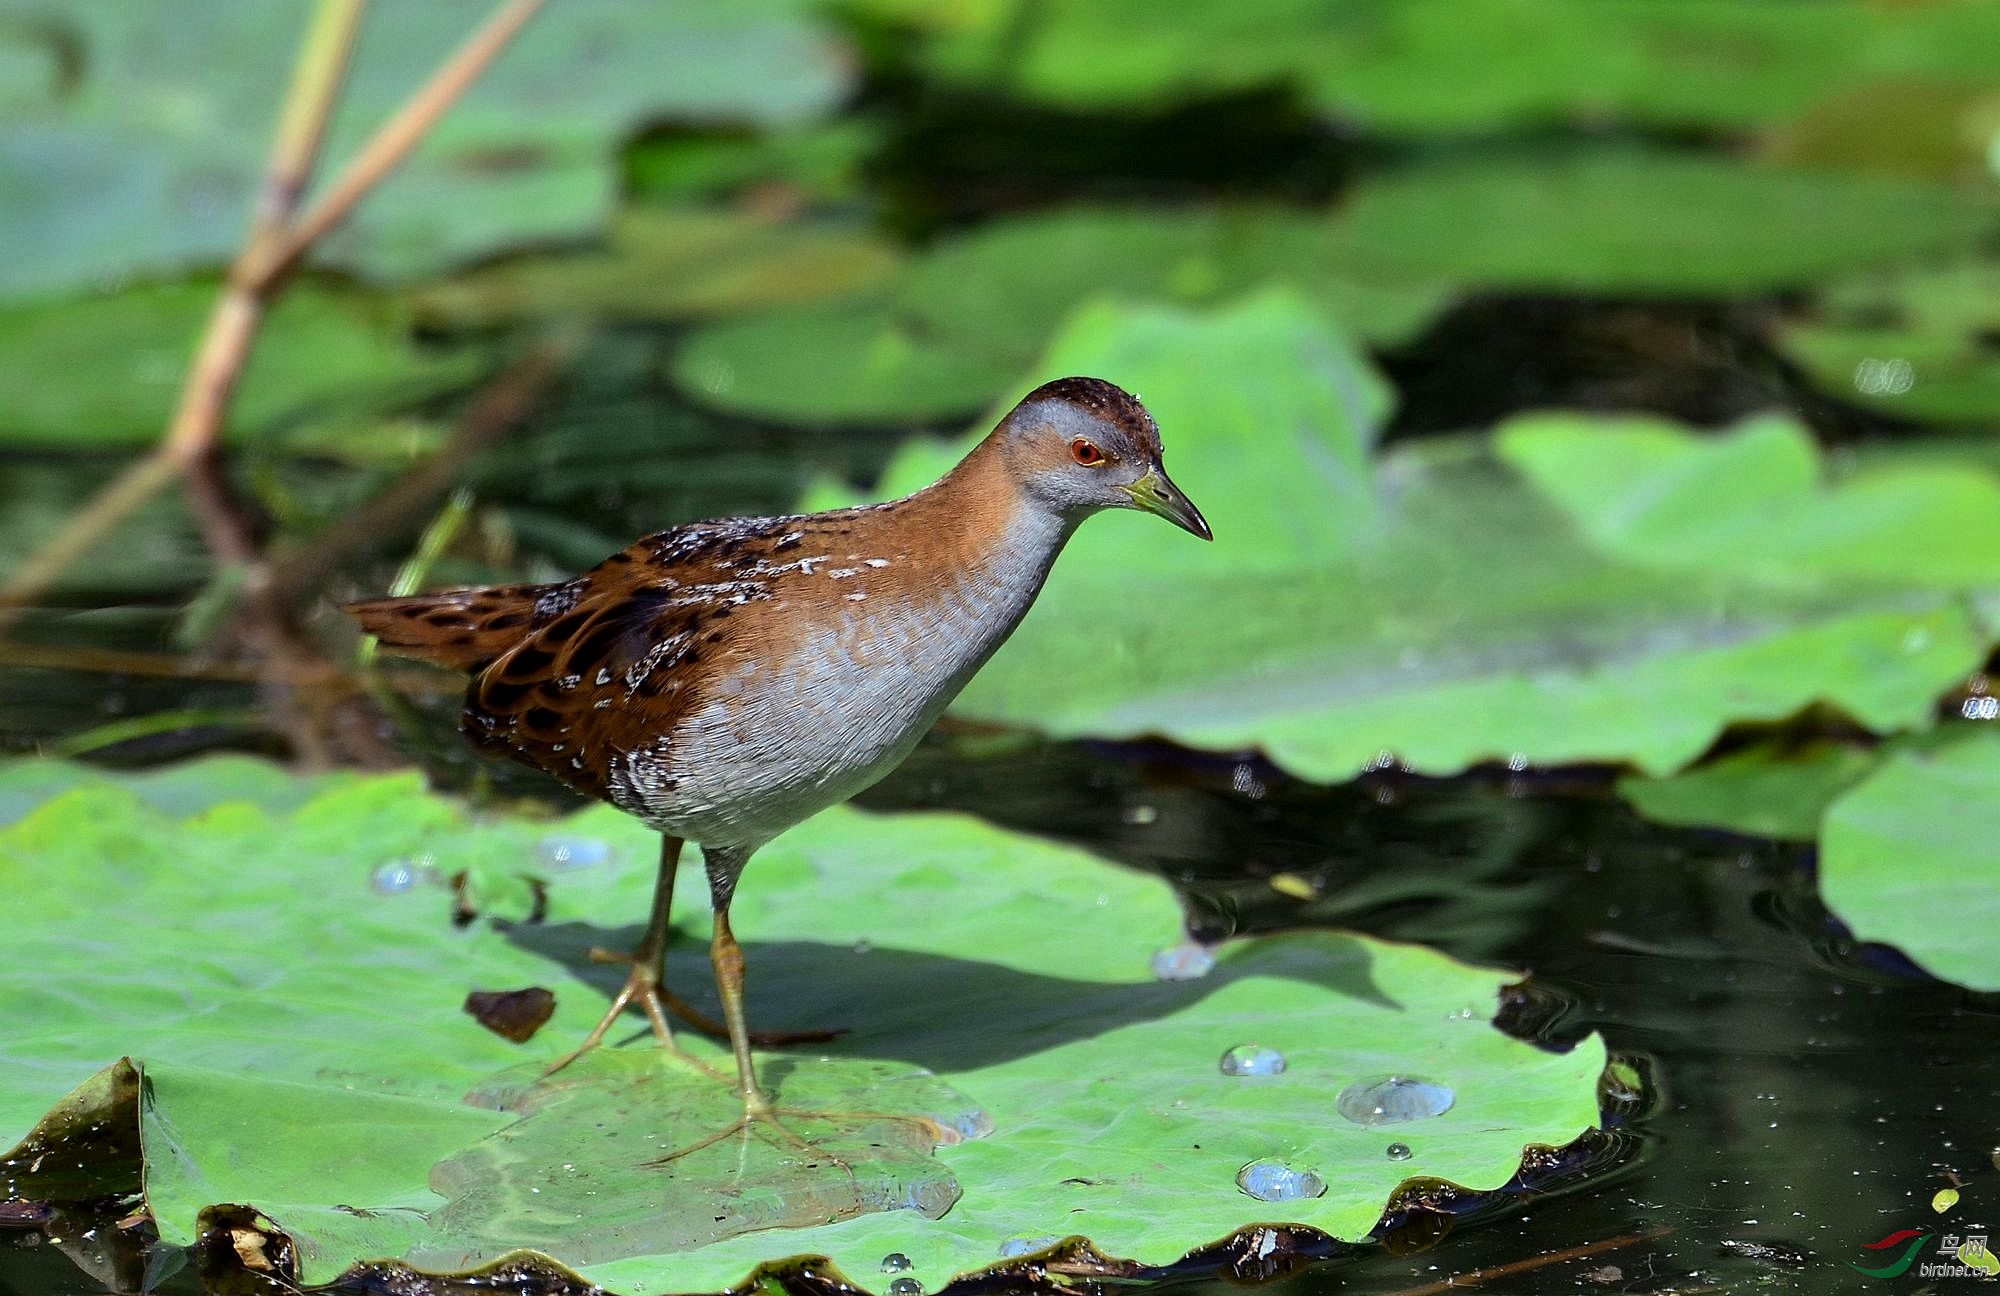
(1078, 445)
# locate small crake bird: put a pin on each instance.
(725, 680)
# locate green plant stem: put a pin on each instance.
(443, 528)
(157, 722)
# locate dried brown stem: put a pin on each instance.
(323, 60)
(274, 250)
(1530, 1263)
(415, 680)
(397, 137)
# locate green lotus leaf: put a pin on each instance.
(1458, 601)
(667, 264)
(1753, 499)
(1906, 857)
(106, 371)
(294, 1007)
(969, 315)
(1628, 221)
(1430, 65)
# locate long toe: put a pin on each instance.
(652, 998)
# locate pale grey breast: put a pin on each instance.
(778, 741)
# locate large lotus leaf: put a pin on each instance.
(666, 264)
(136, 134)
(974, 311)
(1434, 605)
(176, 791)
(1916, 342)
(105, 370)
(1906, 857)
(1752, 500)
(840, 363)
(1631, 221)
(287, 995)
(1452, 65)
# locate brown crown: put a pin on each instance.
(1107, 401)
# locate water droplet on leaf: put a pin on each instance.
(1252, 1060)
(1390, 1100)
(397, 876)
(906, 1287)
(896, 1262)
(1187, 962)
(1275, 1181)
(561, 852)
(1398, 1151)
(1015, 1247)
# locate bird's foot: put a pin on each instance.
(643, 988)
(708, 1025)
(780, 1127)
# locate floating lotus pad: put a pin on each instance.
(283, 1010)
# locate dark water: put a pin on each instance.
(1809, 1096)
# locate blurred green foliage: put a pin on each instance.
(138, 132)
(1578, 588)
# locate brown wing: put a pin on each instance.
(568, 676)
(611, 660)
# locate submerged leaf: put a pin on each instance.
(1761, 791)
(1913, 342)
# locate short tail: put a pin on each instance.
(464, 629)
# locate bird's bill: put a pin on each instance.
(1156, 493)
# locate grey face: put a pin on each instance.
(1079, 460)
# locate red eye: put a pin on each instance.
(1086, 453)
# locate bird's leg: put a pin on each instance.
(727, 956)
(725, 866)
(762, 1119)
(647, 983)
(649, 962)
